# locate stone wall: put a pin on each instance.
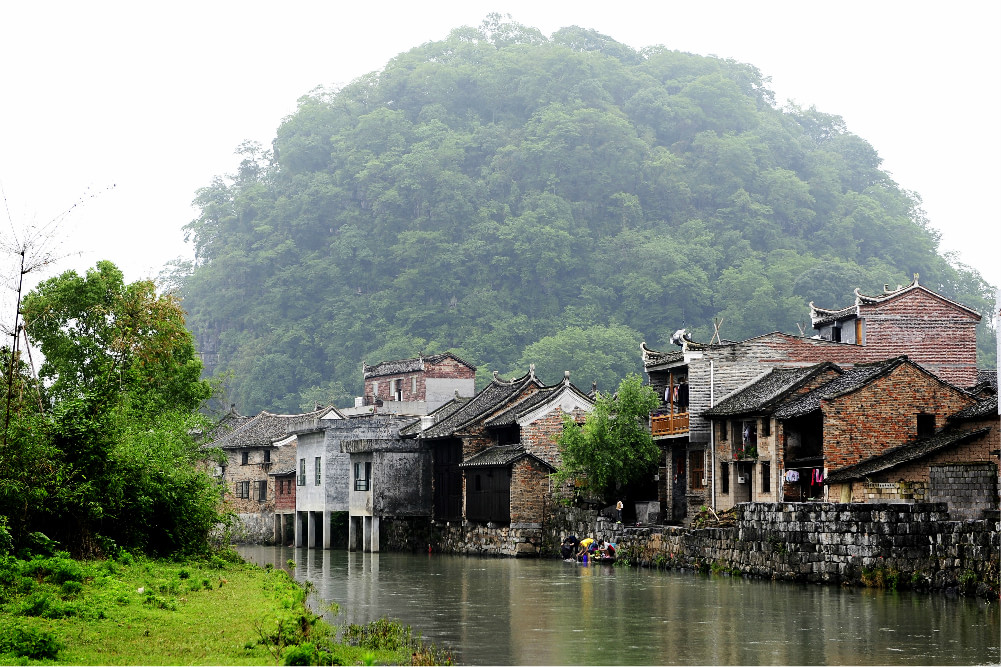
(970, 489)
(917, 544)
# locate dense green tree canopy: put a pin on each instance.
(98, 454)
(479, 190)
(614, 447)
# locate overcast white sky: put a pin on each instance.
(153, 98)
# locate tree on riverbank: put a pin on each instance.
(103, 457)
(613, 448)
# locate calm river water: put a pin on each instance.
(504, 611)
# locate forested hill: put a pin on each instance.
(515, 198)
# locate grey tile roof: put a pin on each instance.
(515, 412)
(911, 451)
(510, 416)
(494, 397)
(264, 429)
(408, 365)
(852, 379)
(988, 378)
(985, 409)
(500, 455)
(229, 422)
(440, 414)
(768, 391)
(282, 472)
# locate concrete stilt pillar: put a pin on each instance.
(299, 537)
(325, 516)
(374, 538)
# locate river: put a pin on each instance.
(505, 611)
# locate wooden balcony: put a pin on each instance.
(673, 424)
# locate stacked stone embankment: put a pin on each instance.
(912, 545)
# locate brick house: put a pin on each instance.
(957, 465)
(694, 379)
(416, 386)
(864, 412)
(748, 450)
(931, 330)
(781, 436)
(253, 448)
(498, 449)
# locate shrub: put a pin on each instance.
(300, 654)
(27, 642)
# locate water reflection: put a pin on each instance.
(531, 612)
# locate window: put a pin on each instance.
(696, 470)
(267, 456)
(724, 478)
(375, 390)
(766, 477)
(766, 427)
(413, 386)
(244, 458)
(836, 333)
(261, 490)
(302, 472)
(724, 431)
(363, 475)
(397, 389)
(242, 489)
(746, 441)
(316, 471)
(926, 424)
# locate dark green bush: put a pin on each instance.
(300, 654)
(27, 642)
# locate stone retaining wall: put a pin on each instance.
(905, 545)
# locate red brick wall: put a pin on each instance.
(931, 331)
(446, 368)
(540, 436)
(285, 501)
(883, 414)
(450, 368)
(529, 491)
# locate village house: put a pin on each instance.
(931, 330)
(414, 386)
(493, 454)
(781, 436)
(911, 320)
(749, 451)
(359, 466)
(254, 447)
(694, 379)
(958, 465)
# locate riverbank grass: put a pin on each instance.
(55, 610)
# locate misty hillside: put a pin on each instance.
(515, 198)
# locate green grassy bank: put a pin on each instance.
(216, 611)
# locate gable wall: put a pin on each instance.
(930, 331)
(883, 414)
(539, 437)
